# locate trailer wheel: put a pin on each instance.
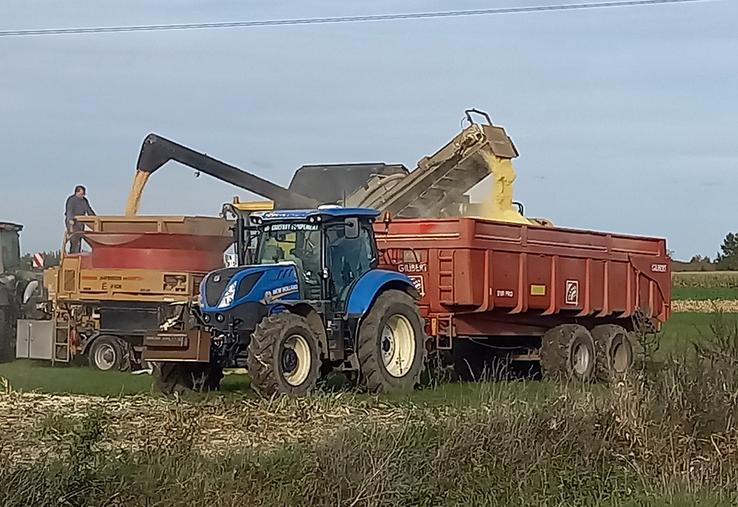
(614, 351)
(174, 377)
(106, 353)
(391, 344)
(284, 356)
(568, 351)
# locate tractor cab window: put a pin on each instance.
(349, 257)
(9, 249)
(296, 242)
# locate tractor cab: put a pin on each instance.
(330, 248)
(10, 258)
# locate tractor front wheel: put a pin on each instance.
(176, 377)
(391, 348)
(284, 356)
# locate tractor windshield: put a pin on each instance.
(297, 242)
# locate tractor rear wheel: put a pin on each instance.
(568, 351)
(391, 348)
(176, 377)
(284, 356)
(614, 351)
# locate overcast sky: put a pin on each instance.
(626, 119)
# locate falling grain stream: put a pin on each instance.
(134, 197)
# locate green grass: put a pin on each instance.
(678, 335)
(42, 377)
(683, 329)
(704, 293)
(69, 379)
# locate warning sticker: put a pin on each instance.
(572, 292)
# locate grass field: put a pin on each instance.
(703, 286)
(678, 335)
(704, 293)
(666, 437)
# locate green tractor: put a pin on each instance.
(19, 288)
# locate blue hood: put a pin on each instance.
(228, 288)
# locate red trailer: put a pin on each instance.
(562, 297)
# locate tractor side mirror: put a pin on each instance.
(351, 228)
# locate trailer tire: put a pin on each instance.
(391, 334)
(614, 351)
(106, 353)
(175, 377)
(568, 351)
(284, 356)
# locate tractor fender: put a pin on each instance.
(372, 283)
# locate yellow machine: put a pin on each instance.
(106, 299)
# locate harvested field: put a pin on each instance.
(667, 438)
(35, 423)
(705, 305)
(705, 291)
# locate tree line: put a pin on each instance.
(725, 260)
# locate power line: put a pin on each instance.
(338, 19)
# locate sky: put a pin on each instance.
(625, 119)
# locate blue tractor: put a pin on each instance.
(310, 300)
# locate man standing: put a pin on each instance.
(77, 205)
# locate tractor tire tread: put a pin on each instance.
(370, 362)
(260, 359)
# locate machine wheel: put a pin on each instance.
(174, 377)
(284, 356)
(106, 353)
(614, 351)
(391, 344)
(568, 351)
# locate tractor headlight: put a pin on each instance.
(228, 295)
